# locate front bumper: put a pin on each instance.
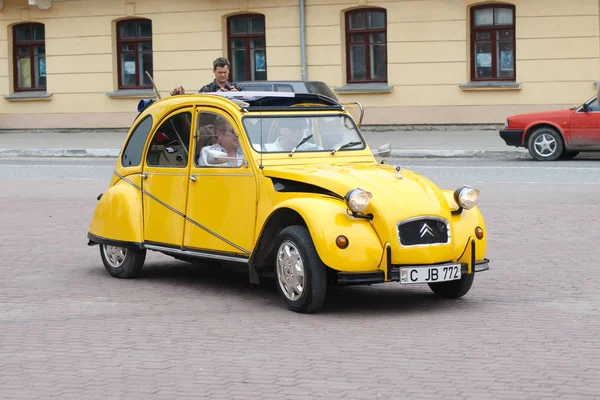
(512, 137)
(367, 278)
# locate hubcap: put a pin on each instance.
(115, 255)
(545, 145)
(290, 271)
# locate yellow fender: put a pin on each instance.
(463, 229)
(118, 215)
(327, 220)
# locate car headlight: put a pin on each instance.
(358, 200)
(466, 197)
(506, 124)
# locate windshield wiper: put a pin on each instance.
(304, 140)
(344, 146)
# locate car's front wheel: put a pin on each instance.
(301, 275)
(545, 144)
(122, 262)
(453, 289)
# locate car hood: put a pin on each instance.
(410, 196)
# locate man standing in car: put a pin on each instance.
(221, 68)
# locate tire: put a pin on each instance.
(569, 155)
(122, 262)
(301, 276)
(453, 289)
(545, 144)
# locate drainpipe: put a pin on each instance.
(302, 40)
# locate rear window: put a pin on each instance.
(132, 155)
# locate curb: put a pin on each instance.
(113, 153)
(457, 153)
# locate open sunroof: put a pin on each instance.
(277, 101)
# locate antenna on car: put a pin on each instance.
(153, 84)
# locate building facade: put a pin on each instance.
(82, 63)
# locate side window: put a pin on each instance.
(132, 155)
(215, 134)
(170, 144)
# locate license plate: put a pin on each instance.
(443, 273)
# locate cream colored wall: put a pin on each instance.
(557, 56)
(82, 63)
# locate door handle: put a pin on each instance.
(193, 177)
(144, 176)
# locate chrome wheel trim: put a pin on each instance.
(290, 271)
(115, 256)
(545, 145)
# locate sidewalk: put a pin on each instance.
(405, 141)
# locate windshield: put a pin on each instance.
(303, 134)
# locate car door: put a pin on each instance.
(222, 198)
(585, 126)
(165, 179)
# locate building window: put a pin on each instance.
(366, 46)
(493, 43)
(29, 57)
(247, 47)
(134, 48)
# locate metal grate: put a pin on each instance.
(423, 231)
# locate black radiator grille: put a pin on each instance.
(423, 232)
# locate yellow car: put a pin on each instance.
(285, 186)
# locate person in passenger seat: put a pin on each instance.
(227, 142)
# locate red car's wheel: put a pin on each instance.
(545, 144)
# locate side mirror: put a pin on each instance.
(585, 107)
(215, 157)
(384, 150)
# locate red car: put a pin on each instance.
(556, 134)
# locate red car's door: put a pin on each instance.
(585, 126)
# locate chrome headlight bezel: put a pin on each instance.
(466, 197)
(358, 200)
(506, 123)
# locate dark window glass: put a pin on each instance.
(132, 155)
(134, 46)
(29, 57)
(366, 45)
(493, 43)
(247, 47)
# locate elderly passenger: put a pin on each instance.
(227, 142)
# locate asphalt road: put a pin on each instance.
(526, 330)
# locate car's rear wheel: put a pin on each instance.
(301, 275)
(122, 262)
(569, 155)
(545, 144)
(453, 289)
